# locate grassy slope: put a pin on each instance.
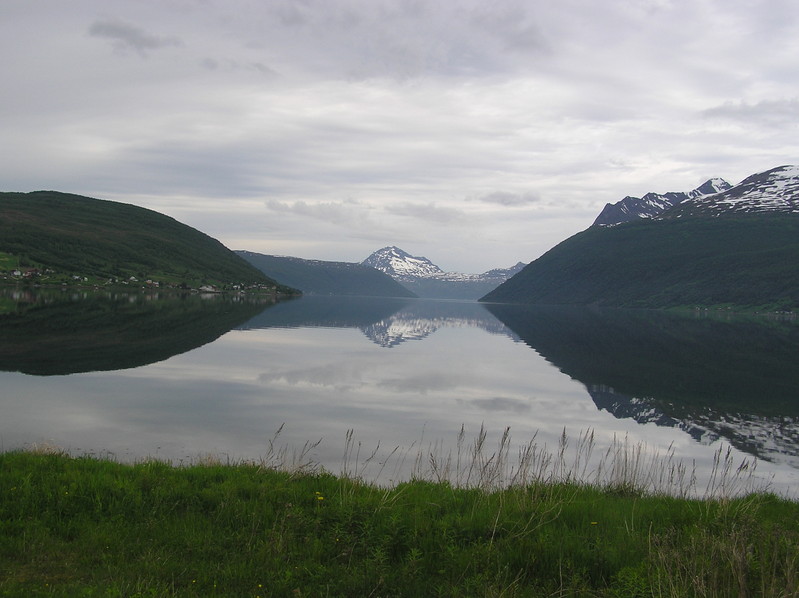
(86, 527)
(96, 238)
(747, 261)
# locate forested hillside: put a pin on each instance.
(750, 261)
(59, 236)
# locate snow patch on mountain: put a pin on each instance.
(401, 265)
(405, 267)
(652, 205)
(772, 191)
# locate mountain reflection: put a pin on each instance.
(48, 333)
(715, 378)
(386, 322)
(772, 438)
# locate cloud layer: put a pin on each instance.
(476, 134)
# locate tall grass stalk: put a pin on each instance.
(624, 466)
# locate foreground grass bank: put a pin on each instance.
(89, 527)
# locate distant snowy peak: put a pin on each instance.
(405, 267)
(710, 187)
(772, 191)
(502, 274)
(652, 205)
(401, 265)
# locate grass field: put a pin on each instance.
(81, 526)
(8, 262)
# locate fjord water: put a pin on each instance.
(133, 376)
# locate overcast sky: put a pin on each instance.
(477, 133)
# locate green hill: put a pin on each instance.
(747, 261)
(318, 277)
(61, 236)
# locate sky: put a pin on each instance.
(476, 133)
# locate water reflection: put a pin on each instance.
(66, 332)
(715, 378)
(398, 372)
(387, 322)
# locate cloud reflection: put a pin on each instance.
(503, 404)
(424, 383)
(342, 376)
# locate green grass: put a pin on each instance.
(81, 526)
(8, 262)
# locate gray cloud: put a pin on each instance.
(512, 25)
(263, 69)
(126, 36)
(402, 39)
(327, 211)
(502, 404)
(216, 64)
(210, 63)
(775, 113)
(478, 134)
(428, 212)
(506, 198)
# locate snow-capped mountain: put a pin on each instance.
(401, 265)
(772, 191)
(424, 278)
(652, 205)
(737, 247)
(404, 267)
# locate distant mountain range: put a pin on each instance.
(426, 279)
(317, 277)
(53, 238)
(736, 247)
(388, 272)
(718, 245)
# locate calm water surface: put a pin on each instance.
(179, 378)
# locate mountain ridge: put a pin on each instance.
(653, 204)
(738, 247)
(772, 191)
